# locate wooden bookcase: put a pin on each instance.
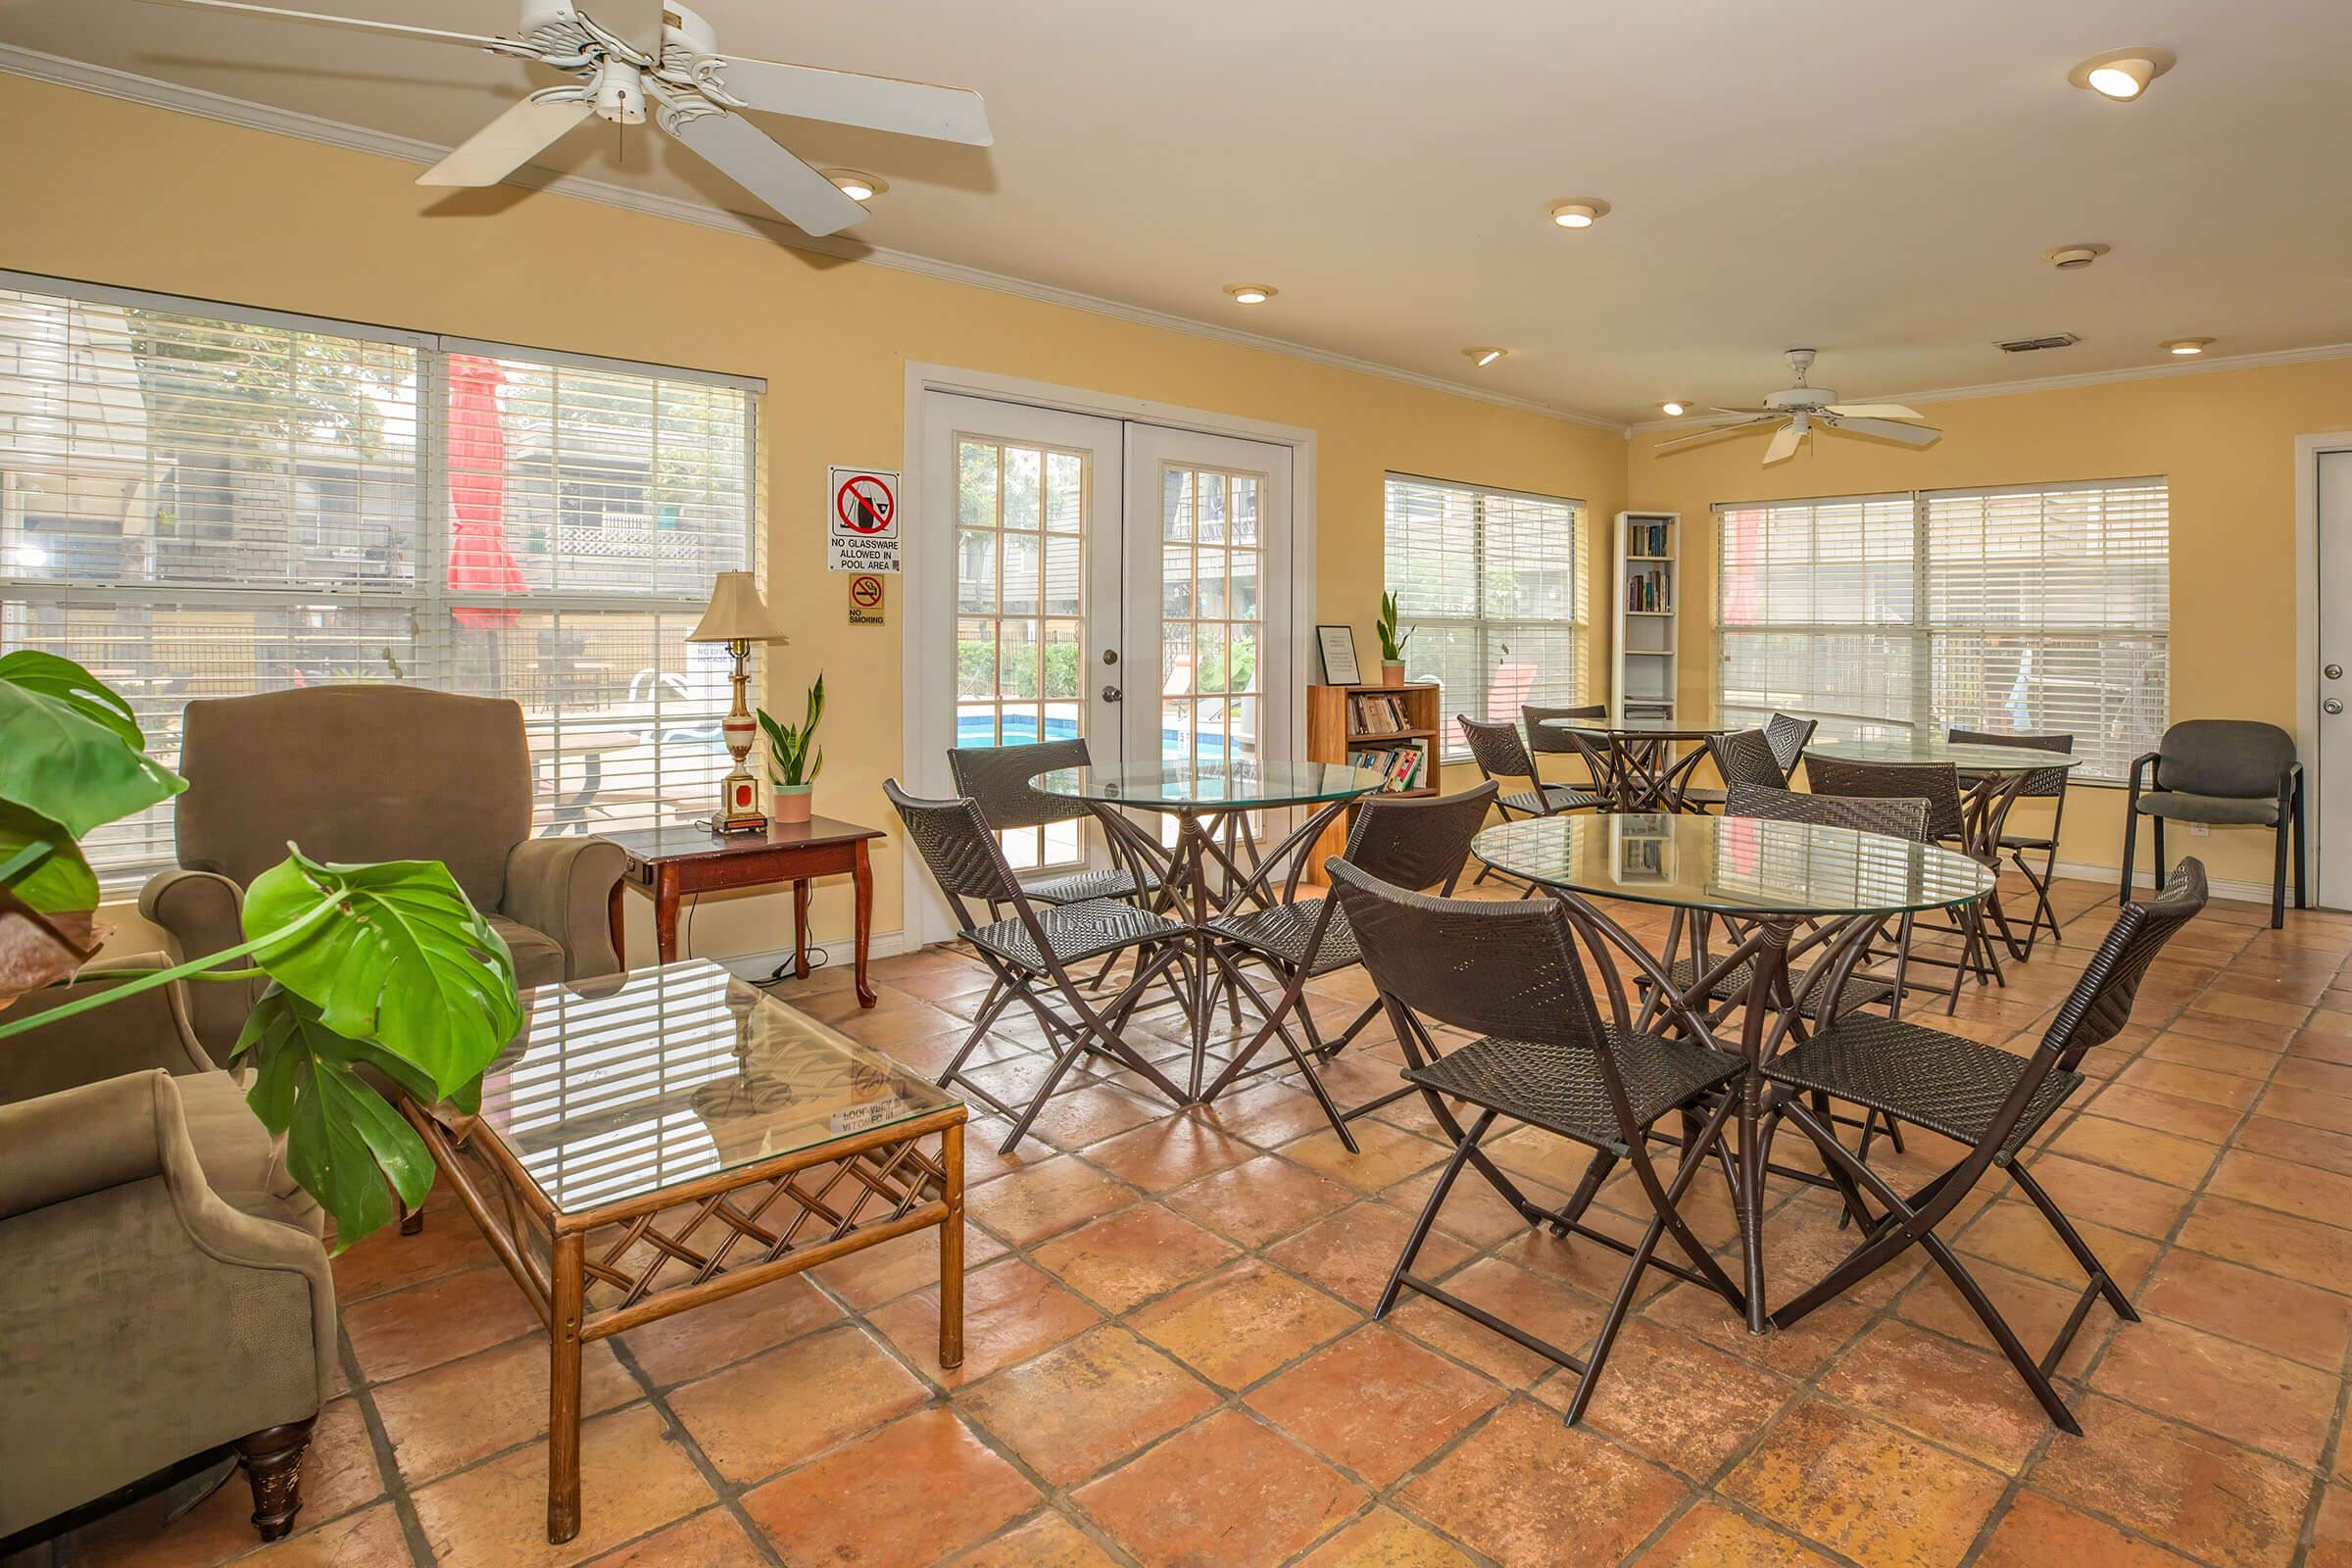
(1333, 731)
(1650, 589)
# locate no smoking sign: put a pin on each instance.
(861, 520)
(865, 599)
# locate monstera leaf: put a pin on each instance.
(65, 755)
(344, 1144)
(403, 960)
(40, 864)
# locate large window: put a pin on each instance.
(2031, 607)
(196, 501)
(1491, 583)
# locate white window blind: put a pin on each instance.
(2023, 608)
(200, 504)
(1491, 584)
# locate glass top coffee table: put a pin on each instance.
(674, 1136)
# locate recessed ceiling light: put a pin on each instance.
(1482, 358)
(2121, 74)
(1674, 408)
(856, 186)
(2073, 258)
(1252, 293)
(2185, 345)
(1578, 212)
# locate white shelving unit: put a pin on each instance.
(1649, 588)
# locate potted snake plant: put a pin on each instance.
(1392, 642)
(792, 758)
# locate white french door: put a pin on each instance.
(1070, 575)
(2328, 759)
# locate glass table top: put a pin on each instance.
(1934, 749)
(1732, 864)
(644, 1082)
(1689, 722)
(1217, 786)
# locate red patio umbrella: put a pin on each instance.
(479, 561)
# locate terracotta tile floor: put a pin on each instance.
(1171, 1360)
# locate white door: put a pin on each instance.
(2329, 814)
(1208, 674)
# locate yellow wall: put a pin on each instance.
(123, 194)
(2222, 440)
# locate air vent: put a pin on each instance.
(2028, 345)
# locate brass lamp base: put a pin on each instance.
(739, 793)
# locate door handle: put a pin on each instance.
(1111, 694)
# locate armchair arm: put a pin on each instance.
(141, 1033)
(203, 911)
(563, 887)
(2140, 766)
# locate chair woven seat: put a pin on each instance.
(1555, 798)
(1283, 931)
(1078, 887)
(1945, 1083)
(1075, 932)
(1861, 990)
(2027, 841)
(1560, 1089)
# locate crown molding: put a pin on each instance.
(250, 116)
(2060, 383)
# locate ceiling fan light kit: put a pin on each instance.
(631, 59)
(1798, 410)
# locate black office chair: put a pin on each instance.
(2225, 772)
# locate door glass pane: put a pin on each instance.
(1017, 676)
(1212, 568)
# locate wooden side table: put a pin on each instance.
(667, 863)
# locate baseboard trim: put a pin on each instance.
(2143, 878)
(844, 953)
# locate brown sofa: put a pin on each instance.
(163, 1287)
(375, 772)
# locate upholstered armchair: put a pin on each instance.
(376, 772)
(165, 1291)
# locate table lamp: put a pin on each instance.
(739, 617)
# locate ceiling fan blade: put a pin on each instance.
(1917, 435)
(1873, 411)
(1708, 435)
(1719, 409)
(355, 24)
(748, 156)
(848, 98)
(1784, 444)
(507, 142)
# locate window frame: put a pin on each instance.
(313, 491)
(1923, 627)
(1451, 746)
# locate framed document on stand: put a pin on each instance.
(1338, 645)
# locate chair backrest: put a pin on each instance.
(356, 773)
(1789, 735)
(997, 778)
(1746, 756)
(1418, 843)
(1936, 783)
(1495, 747)
(1897, 819)
(1490, 968)
(2100, 1005)
(2043, 783)
(959, 847)
(1541, 739)
(2235, 758)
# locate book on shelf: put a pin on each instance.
(1647, 591)
(1378, 713)
(1646, 539)
(1398, 766)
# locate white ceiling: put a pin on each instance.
(1876, 181)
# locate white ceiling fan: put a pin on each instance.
(636, 52)
(1801, 409)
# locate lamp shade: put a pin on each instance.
(737, 611)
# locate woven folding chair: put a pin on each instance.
(1789, 736)
(1937, 784)
(1501, 756)
(2044, 784)
(1741, 757)
(1035, 945)
(1510, 974)
(997, 779)
(1411, 843)
(1991, 1099)
(1544, 741)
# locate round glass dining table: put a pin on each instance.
(1214, 864)
(1638, 767)
(1766, 880)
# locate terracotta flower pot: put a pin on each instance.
(792, 802)
(1392, 674)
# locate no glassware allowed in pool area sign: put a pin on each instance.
(861, 520)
